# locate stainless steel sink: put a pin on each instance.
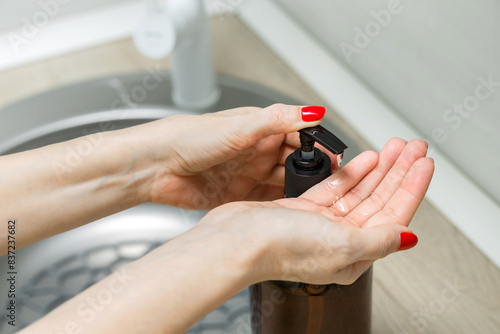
(53, 270)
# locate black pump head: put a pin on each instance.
(307, 165)
(307, 157)
(318, 133)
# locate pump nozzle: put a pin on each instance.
(318, 133)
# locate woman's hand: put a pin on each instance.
(239, 154)
(190, 161)
(331, 234)
(337, 229)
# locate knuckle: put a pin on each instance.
(277, 116)
(385, 247)
(278, 106)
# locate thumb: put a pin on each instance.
(282, 118)
(382, 240)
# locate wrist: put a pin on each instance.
(150, 151)
(242, 251)
(255, 254)
(122, 164)
(247, 243)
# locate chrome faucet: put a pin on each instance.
(179, 28)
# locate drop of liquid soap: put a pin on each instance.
(339, 159)
(340, 206)
(335, 200)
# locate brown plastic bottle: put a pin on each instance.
(298, 308)
(288, 308)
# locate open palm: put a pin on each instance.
(372, 192)
(338, 228)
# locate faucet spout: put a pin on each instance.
(180, 28)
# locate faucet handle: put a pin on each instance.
(155, 35)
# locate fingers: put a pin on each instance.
(337, 185)
(391, 181)
(401, 207)
(282, 118)
(285, 151)
(387, 157)
(276, 176)
(292, 139)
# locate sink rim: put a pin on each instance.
(149, 114)
(64, 118)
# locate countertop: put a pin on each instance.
(444, 285)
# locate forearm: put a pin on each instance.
(65, 185)
(168, 290)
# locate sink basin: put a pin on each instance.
(55, 269)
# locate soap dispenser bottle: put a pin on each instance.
(280, 307)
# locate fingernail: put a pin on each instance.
(312, 113)
(431, 159)
(408, 240)
(426, 144)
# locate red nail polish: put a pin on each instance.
(408, 240)
(312, 113)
